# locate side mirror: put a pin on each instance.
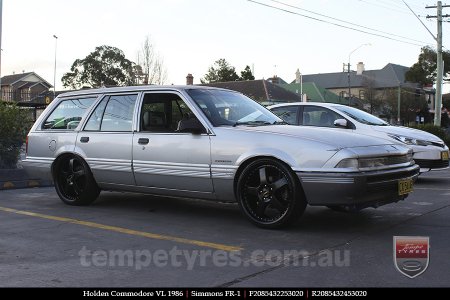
(341, 123)
(192, 125)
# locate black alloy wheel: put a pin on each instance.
(74, 181)
(269, 194)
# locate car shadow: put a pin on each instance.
(227, 216)
(432, 180)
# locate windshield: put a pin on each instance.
(227, 108)
(361, 116)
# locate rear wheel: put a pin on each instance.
(74, 181)
(269, 194)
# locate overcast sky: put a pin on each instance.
(191, 34)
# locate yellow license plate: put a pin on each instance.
(405, 186)
(444, 155)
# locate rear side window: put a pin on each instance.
(114, 113)
(67, 115)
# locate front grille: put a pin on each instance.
(390, 177)
(442, 145)
(432, 164)
(387, 187)
(386, 161)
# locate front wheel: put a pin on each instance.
(74, 181)
(269, 194)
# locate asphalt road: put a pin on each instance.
(133, 240)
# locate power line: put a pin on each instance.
(335, 24)
(399, 5)
(383, 6)
(419, 19)
(346, 22)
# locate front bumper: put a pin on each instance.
(355, 190)
(430, 158)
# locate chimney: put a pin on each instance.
(189, 79)
(275, 79)
(360, 68)
(297, 76)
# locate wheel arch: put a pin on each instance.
(63, 155)
(244, 163)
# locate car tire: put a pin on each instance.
(74, 182)
(269, 194)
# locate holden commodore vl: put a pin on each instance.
(209, 143)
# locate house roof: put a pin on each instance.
(10, 79)
(259, 90)
(314, 92)
(388, 77)
(15, 78)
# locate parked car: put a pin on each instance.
(213, 144)
(429, 151)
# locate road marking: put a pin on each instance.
(125, 230)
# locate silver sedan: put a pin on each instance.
(429, 151)
(212, 144)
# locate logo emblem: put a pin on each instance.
(411, 254)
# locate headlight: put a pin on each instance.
(349, 163)
(409, 140)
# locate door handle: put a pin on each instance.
(143, 141)
(84, 139)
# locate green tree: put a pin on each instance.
(370, 95)
(14, 125)
(221, 71)
(247, 74)
(424, 70)
(106, 66)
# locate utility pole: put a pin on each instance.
(54, 71)
(399, 101)
(440, 69)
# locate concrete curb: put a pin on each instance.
(21, 184)
(18, 179)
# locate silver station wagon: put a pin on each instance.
(209, 143)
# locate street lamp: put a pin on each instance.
(348, 69)
(54, 71)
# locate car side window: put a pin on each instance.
(319, 116)
(113, 113)
(164, 112)
(67, 115)
(287, 113)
